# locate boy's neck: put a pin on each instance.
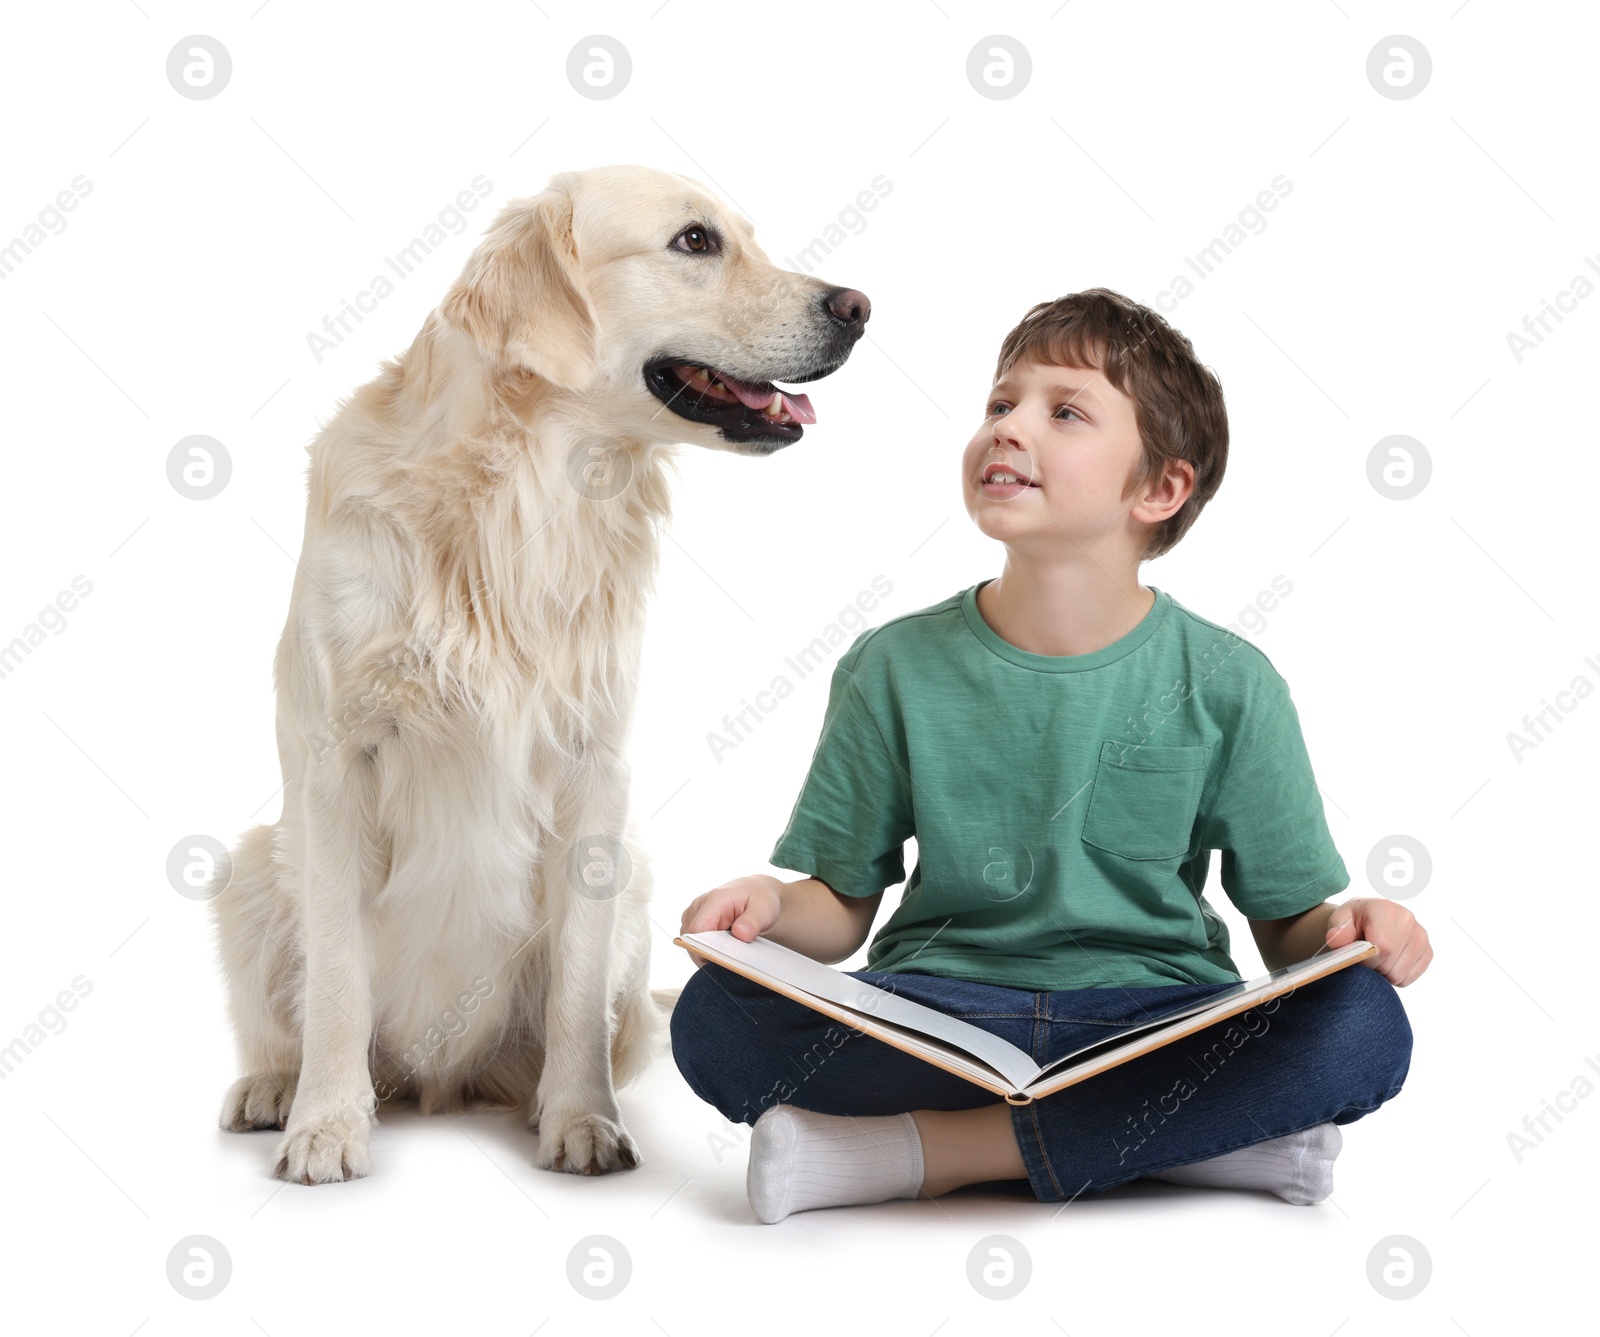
(1063, 610)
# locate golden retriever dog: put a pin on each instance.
(453, 905)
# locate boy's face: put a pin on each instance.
(1074, 435)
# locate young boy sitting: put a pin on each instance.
(1068, 747)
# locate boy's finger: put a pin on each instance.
(751, 932)
(1398, 969)
(1416, 960)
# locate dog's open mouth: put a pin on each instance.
(742, 411)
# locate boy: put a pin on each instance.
(1067, 747)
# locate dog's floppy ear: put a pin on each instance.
(522, 298)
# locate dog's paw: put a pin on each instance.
(325, 1149)
(588, 1144)
(261, 1100)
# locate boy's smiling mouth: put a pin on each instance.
(1003, 480)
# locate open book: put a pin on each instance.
(970, 1051)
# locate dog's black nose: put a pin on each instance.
(850, 308)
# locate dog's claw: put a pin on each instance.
(259, 1100)
(589, 1144)
(329, 1149)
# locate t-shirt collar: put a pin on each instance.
(1106, 654)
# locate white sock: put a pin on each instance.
(800, 1160)
(1297, 1167)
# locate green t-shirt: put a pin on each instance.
(1064, 806)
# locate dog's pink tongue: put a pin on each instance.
(799, 406)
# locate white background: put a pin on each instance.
(1419, 633)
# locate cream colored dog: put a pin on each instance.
(453, 905)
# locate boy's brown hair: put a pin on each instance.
(1177, 402)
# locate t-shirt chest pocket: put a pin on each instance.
(1144, 799)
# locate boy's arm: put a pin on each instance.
(1402, 943)
(848, 827)
(1283, 942)
(1268, 821)
(807, 916)
(818, 922)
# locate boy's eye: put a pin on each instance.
(1000, 403)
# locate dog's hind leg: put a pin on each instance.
(256, 919)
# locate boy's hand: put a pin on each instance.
(1402, 943)
(747, 907)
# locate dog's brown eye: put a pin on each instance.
(696, 241)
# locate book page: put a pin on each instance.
(925, 1047)
(764, 957)
(1100, 1056)
(1109, 1037)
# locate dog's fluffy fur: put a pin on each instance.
(453, 905)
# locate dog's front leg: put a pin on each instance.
(334, 1106)
(575, 1111)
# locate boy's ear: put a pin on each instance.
(522, 297)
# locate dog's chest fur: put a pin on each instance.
(508, 693)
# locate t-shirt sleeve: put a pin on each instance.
(1278, 856)
(852, 818)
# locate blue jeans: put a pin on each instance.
(1334, 1049)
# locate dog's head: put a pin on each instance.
(644, 295)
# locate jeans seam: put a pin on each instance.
(1044, 1154)
(998, 1016)
(1041, 1035)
